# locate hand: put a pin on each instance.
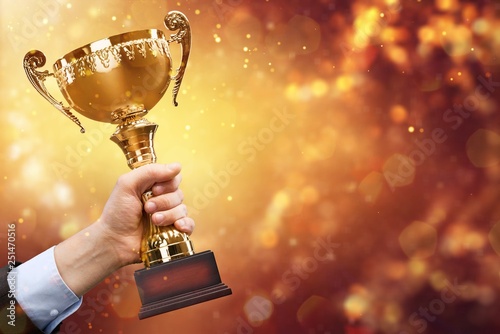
(113, 241)
(121, 217)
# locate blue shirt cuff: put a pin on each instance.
(42, 293)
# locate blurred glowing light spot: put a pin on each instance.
(398, 114)
(229, 198)
(269, 238)
(481, 26)
(126, 306)
(494, 237)
(417, 267)
(457, 41)
(355, 305)
(63, 194)
(418, 240)
(399, 171)
(33, 170)
(344, 83)
(371, 186)
(411, 129)
(437, 215)
(461, 239)
(322, 145)
(197, 12)
(397, 55)
(427, 34)
(447, 5)
(474, 241)
(14, 151)
(309, 195)
(68, 229)
(368, 23)
(437, 280)
(248, 36)
(313, 310)
(319, 87)
(280, 202)
(20, 220)
(483, 148)
(392, 313)
(113, 18)
(257, 310)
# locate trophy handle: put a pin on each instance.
(35, 59)
(173, 21)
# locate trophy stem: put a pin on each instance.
(159, 243)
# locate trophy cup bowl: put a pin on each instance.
(118, 80)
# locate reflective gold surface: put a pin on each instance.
(118, 80)
(117, 77)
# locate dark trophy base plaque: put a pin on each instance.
(183, 282)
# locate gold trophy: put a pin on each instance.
(118, 80)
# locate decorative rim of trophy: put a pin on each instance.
(118, 80)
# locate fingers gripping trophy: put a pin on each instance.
(118, 80)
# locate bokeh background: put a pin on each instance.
(341, 159)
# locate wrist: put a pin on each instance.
(122, 248)
(85, 259)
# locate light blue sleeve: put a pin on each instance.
(42, 293)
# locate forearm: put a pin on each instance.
(86, 258)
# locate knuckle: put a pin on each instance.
(182, 210)
(180, 195)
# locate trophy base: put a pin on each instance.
(183, 282)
